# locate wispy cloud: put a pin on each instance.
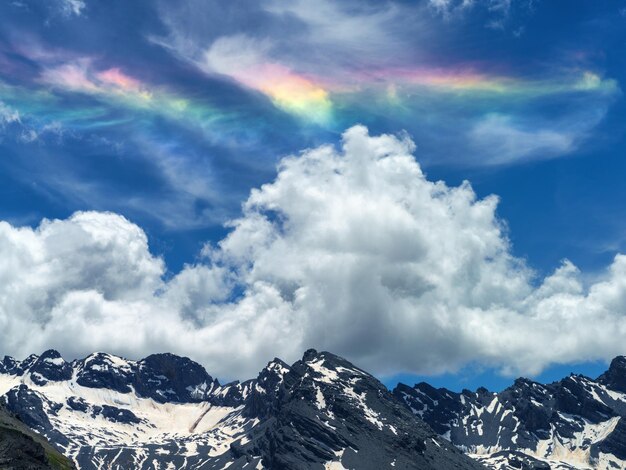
(8, 115)
(497, 12)
(502, 141)
(72, 7)
(376, 65)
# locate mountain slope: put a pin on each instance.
(20, 448)
(575, 423)
(167, 412)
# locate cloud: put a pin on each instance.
(504, 142)
(355, 27)
(295, 52)
(25, 133)
(72, 7)
(499, 139)
(8, 115)
(246, 60)
(449, 6)
(332, 63)
(352, 250)
(498, 12)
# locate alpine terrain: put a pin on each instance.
(322, 412)
(166, 412)
(575, 423)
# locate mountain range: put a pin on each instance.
(322, 412)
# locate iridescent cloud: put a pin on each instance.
(314, 98)
(329, 100)
(121, 89)
(245, 61)
(110, 89)
(441, 80)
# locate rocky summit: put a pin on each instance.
(165, 411)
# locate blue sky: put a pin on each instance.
(169, 113)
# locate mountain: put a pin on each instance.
(575, 423)
(322, 412)
(21, 448)
(166, 411)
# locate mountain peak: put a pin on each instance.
(50, 366)
(310, 355)
(275, 369)
(615, 377)
(50, 354)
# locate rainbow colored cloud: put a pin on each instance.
(113, 85)
(324, 101)
(315, 98)
(114, 97)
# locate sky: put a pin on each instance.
(432, 189)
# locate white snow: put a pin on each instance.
(320, 402)
(161, 423)
(335, 464)
(327, 375)
(369, 414)
(57, 361)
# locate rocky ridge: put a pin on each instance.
(574, 423)
(165, 411)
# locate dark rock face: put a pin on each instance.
(8, 365)
(267, 391)
(77, 404)
(166, 378)
(28, 406)
(116, 415)
(615, 377)
(162, 377)
(325, 409)
(50, 366)
(34, 410)
(232, 394)
(13, 367)
(615, 443)
(574, 397)
(20, 449)
(102, 371)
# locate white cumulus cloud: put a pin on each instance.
(352, 250)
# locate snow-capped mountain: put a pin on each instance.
(167, 412)
(575, 423)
